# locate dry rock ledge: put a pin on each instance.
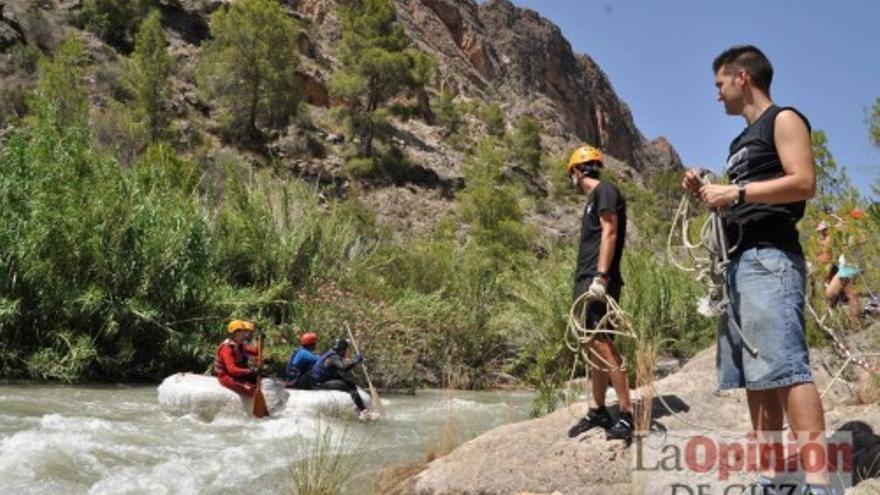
(538, 457)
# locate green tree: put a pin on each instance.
(491, 206)
(833, 186)
(874, 134)
(376, 65)
(249, 66)
(874, 123)
(493, 116)
(448, 114)
(526, 143)
(150, 76)
(60, 96)
(114, 21)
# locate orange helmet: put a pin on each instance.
(584, 154)
(308, 338)
(856, 213)
(236, 325)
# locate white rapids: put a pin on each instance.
(203, 396)
(117, 440)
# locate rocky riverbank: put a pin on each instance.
(537, 456)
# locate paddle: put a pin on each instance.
(258, 406)
(374, 396)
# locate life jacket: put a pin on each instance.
(238, 353)
(301, 363)
(320, 373)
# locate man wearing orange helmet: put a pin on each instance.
(602, 238)
(231, 361)
(302, 361)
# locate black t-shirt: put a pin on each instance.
(753, 158)
(604, 198)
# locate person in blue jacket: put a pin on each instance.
(330, 373)
(301, 362)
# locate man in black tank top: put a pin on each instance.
(772, 174)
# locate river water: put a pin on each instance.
(116, 440)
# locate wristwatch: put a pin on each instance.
(741, 194)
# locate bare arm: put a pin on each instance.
(792, 139)
(608, 244)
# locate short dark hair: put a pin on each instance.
(750, 59)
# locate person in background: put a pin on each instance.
(839, 281)
(231, 363)
(331, 373)
(841, 288)
(301, 362)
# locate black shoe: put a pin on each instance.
(622, 429)
(819, 490)
(764, 485)
(595, 417)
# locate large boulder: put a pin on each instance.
(538, 456)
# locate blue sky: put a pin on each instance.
(658, 56)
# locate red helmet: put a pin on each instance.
(308, 339)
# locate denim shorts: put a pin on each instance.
(767, 303)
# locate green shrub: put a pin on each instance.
(493, 117)
(99, 254)
(114, 21)
(448, 114)
(525, 144)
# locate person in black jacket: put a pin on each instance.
(331, 373)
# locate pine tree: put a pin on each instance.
(60, 96)
(874, 123)
(526, 144)
(493, 116)
(114, 21)
(150, 76)
(874, 134)
(448, 114)
(833, 186)
(249, 66)
(376, 65)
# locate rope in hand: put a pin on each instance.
(579, 337)
(711, 270)
(710, 258)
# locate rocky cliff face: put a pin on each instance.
(497, 51)
(526, 62)
(490, 52)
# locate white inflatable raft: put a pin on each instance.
(202, 395)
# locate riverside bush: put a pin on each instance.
(100, 261)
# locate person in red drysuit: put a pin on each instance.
(231, 363)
